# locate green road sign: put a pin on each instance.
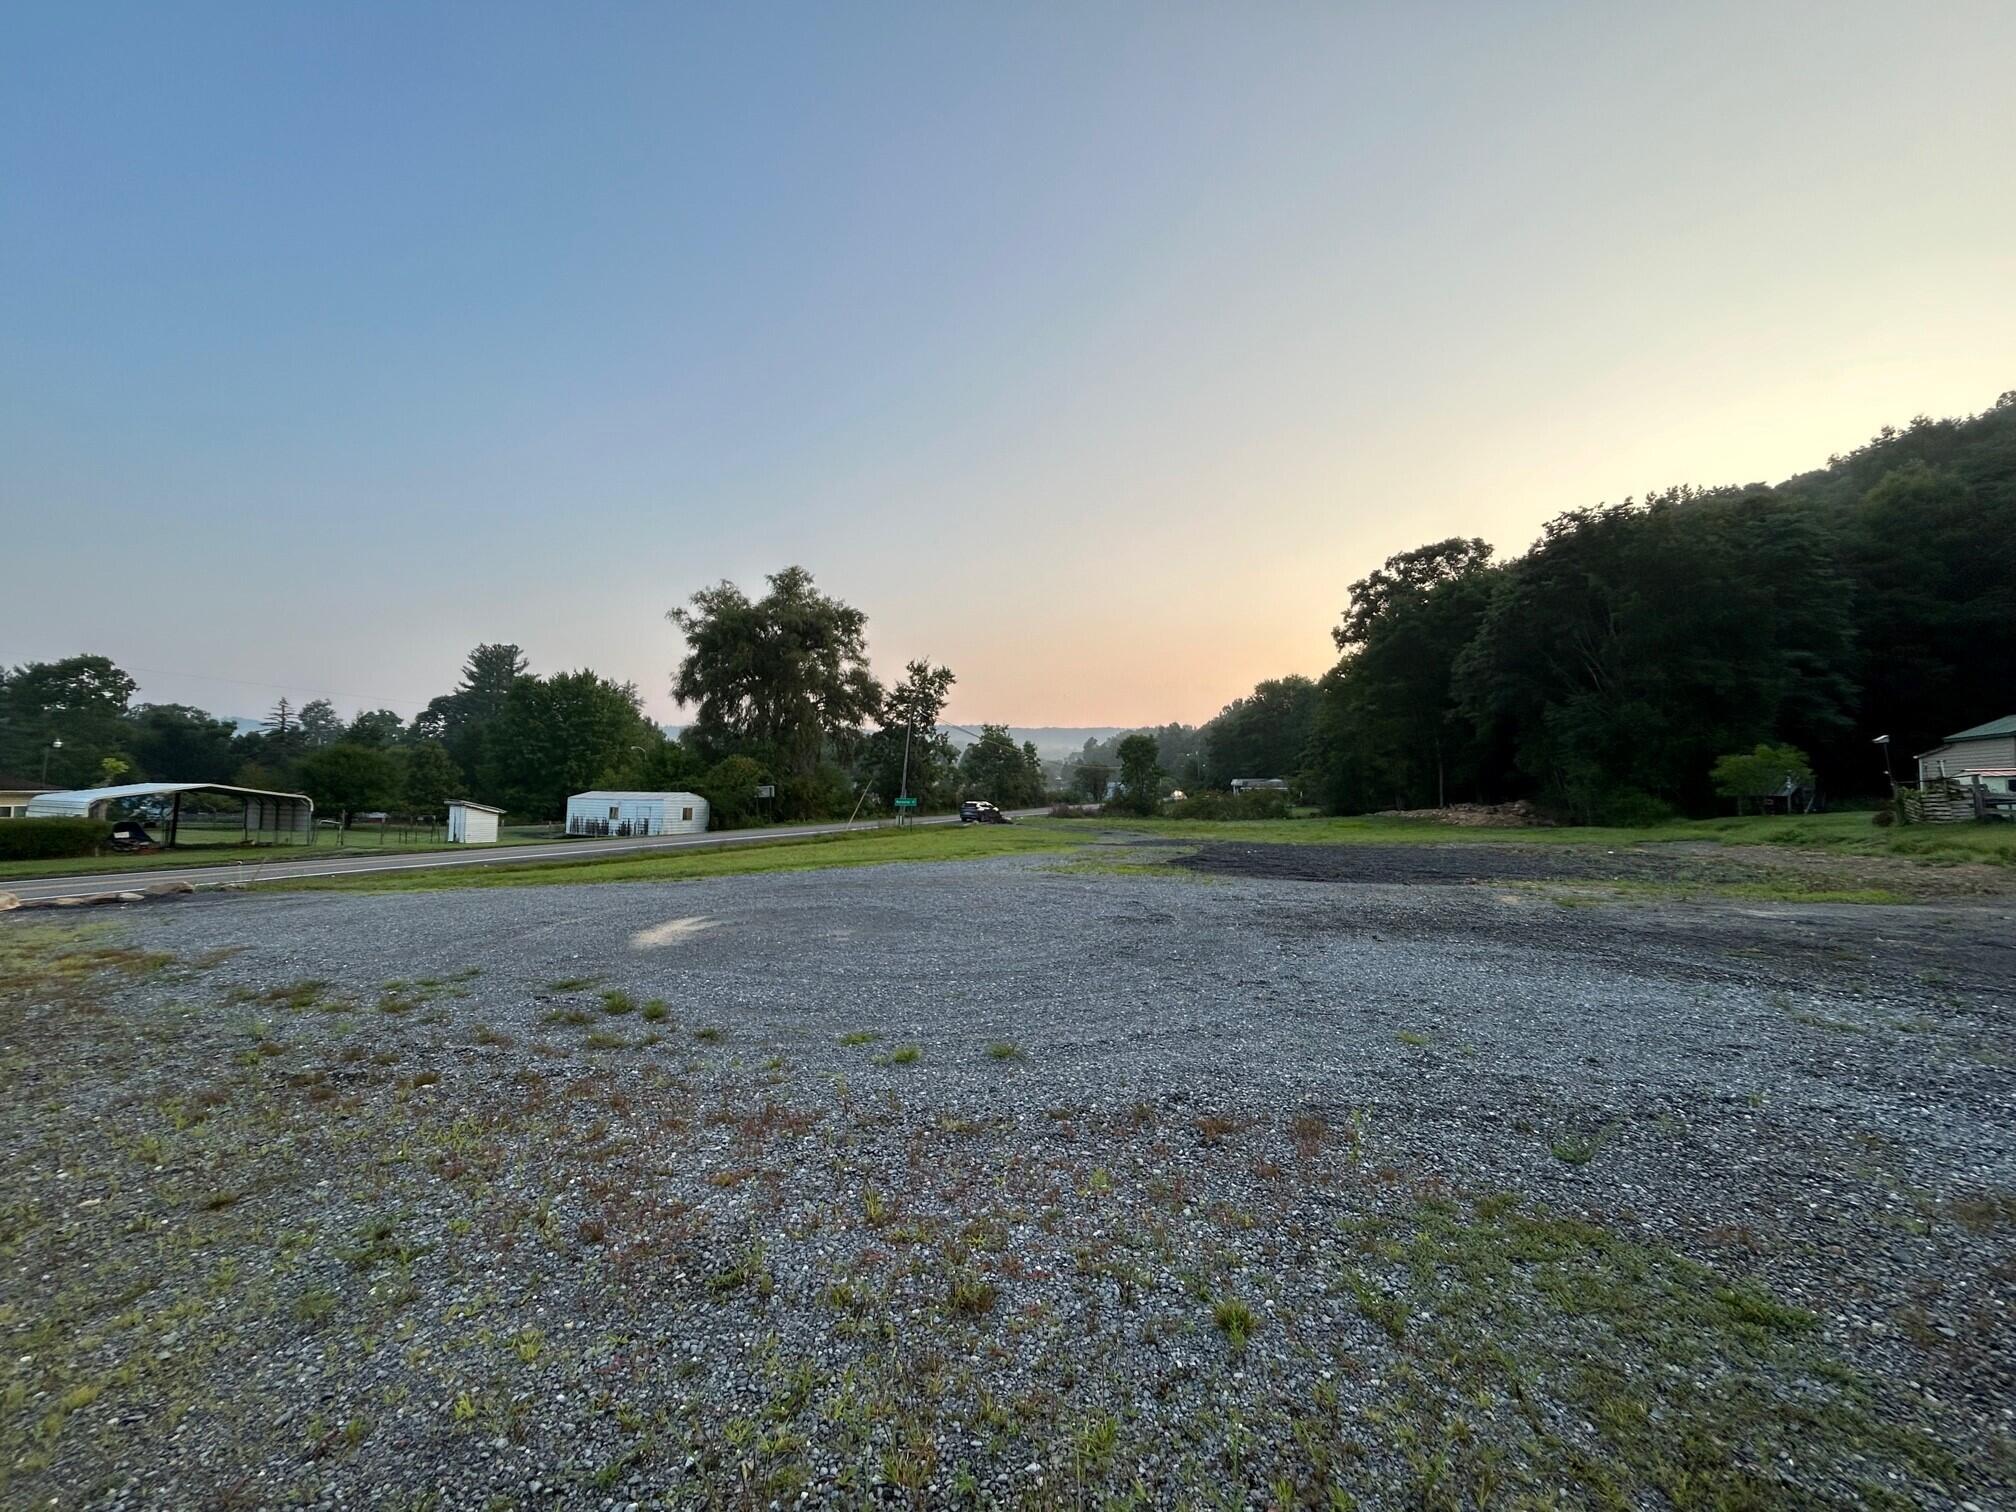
(906, 803)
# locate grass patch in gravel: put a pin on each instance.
(1547, 1351)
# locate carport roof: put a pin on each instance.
(89, 797)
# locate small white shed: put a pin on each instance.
(604, 813)
(472, 823)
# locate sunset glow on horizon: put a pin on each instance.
(1092, 354)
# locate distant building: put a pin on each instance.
(14, 796)
(1983, 756)
(606, 813)
(472, 823)
(1259, 784)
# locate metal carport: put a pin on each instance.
(279, 815)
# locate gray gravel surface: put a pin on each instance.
(1229, 1192)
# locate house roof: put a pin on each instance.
(22, 785)
(2004, 726)
(604, 796)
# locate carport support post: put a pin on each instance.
(174, 819)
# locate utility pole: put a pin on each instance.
(903, 786)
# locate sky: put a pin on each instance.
(1092, 350)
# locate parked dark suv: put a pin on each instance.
(980, 811)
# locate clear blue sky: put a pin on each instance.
(1093, 350)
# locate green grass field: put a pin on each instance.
(943, 842)
(204, 847)
(1839, 834)
(1846, 834)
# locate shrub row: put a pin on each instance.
(1269, 803)
(51, 839)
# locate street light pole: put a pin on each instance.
(54, 745)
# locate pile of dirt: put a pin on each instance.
(1518, 814)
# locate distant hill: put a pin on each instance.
(1052, 742)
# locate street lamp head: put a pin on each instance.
(55, 745)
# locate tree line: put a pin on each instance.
(1605, 672)
(780, 685)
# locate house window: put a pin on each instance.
(612, 811)
(685, 813)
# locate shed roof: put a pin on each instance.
(472, 803)
(83, 800)
(606, 794)
(2004, 726)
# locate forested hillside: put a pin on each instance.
(1605, 669)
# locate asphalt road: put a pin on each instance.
(349, 864)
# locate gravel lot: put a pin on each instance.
(1006, 1183)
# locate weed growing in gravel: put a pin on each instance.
(971, 1295)
(1579, 1149)
(1309, 1133)
(570, 1015)
(860, 1037)
(749, 1271)
(655, 1010)
(616, 1001)
(572, 984)
(1005, 1050)
(1235, 1320)
(1415, 1038)
(902, 1055)
(708, 1035)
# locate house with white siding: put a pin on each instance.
(1984, 756)
(607, 813)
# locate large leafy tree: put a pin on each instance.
(347, 778)
(428, 777)
(377, 728)
(1140, 775)
(557, 735)
(80, 701)
(319, 723)
(1385, 727)
(177, 743)
(783, 678)
(995, 768)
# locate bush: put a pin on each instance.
(1268, 804)
(1883, 818)
(51, 839)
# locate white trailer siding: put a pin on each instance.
(606, 813)
(472, 823)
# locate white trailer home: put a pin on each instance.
(472, 823)
(601, 813)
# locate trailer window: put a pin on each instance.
(685, 813)
(612, 811)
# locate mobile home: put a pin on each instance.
(604, 813)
